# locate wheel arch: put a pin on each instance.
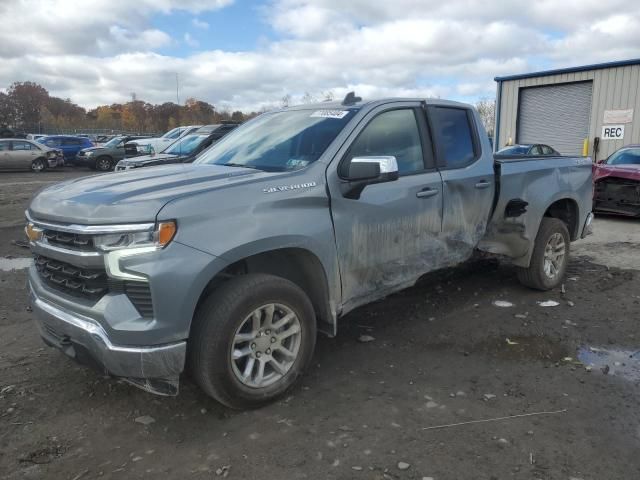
(567, 210)
(296, 264)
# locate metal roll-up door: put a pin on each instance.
(556, 115)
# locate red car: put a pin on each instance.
(617, 183)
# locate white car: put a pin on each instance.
(145, 145)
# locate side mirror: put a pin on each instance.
(601, 161)
(363, 171)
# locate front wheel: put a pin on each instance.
(104, 164)
(550, 256)
(38, 165)
(251, 339)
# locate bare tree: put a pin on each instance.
(487, 110)
(308, 98)
(285, 101)
(328, 96)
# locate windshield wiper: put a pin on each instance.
(240, 165)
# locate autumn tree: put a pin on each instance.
(28, 98)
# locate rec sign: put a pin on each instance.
(612, 132)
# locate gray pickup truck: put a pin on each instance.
(229, 266)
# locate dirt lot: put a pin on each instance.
(442, 354)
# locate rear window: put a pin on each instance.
(515, 150)
(21, 146)
(453, 135)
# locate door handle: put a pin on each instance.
(483, 184)
(427, 192)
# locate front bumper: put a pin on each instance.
(155, 368)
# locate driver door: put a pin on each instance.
(390, 235)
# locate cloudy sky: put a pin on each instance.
(244, 54)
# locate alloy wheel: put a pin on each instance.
(266, 345)
(554, 255)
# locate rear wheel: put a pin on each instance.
(38, 165)
(251, 339)
(550, 256)
(104, 164)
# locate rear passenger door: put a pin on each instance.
(467, 178)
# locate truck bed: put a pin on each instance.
(527, 189)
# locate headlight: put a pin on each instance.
(159, 238)
(88, 154)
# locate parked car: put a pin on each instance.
(617, 183)
(104, 157)
(183, 150)
(154, 145)
(296, 218)
(35, 136)
(70, 145)
(21, 154)
(538, 149)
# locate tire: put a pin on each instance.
(38, 165)
(544, 273)
(221, 324)
(104, 164)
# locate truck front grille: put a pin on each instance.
(91, 284)
(74, 241)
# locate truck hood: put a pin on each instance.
(134, 195)
(629, 172)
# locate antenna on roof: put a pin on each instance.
(350, 98)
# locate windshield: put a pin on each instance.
(625, 157)
(185, 145)
(279, 141)
(515, 150)
(113, 142)
(175, 133)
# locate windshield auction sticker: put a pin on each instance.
(330, 113)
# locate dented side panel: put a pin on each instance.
(539, 182)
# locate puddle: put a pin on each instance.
(619, 363)
(526, 348)
(10, 264)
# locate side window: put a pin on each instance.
(53, 142)
(4, 146)
(71, 142)
(21, 146)
(547, 150)
(393, 133)
(536, 150)
(453, 136)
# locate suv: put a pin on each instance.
(142, 147)
(70, 145)
(104, 157)
(184, 150)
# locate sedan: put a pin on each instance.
(19, 154)
(617, 183)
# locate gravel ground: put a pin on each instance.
(441, 353)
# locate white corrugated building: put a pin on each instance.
(574, 110)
